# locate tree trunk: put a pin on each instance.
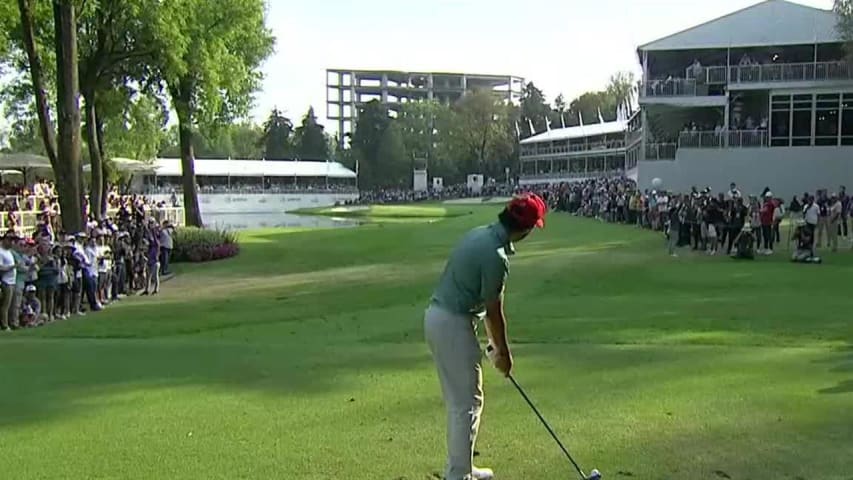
(67, 166)
(182, 99)
(99, 123)
(48, 134)
(96, 161)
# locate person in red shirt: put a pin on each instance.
(766, 215)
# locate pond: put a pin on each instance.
(250, 221)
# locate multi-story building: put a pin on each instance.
(760, 97)
(347, 90)
(575, 153)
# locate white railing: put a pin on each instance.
(791, 72)
(741, 74)
(671, 87)
(724, 139)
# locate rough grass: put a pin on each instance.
(303, 358)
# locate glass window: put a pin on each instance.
(826, 127)
(801, 128)
(781, 124)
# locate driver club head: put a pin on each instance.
(594, 475)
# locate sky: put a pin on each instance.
(563, 46)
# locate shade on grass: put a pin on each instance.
(303, 358)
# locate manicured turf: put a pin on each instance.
(303, 358)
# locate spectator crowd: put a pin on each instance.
(48, 275)
(730, 222)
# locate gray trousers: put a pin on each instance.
(452, 339)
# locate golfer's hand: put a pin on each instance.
(503, 362)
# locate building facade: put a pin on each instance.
(760, 97)
(347, 90)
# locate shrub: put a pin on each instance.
(202, 245)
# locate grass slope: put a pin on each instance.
(303, 359)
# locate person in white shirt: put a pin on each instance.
(835, 210)
(7, 279)
(811, 214)
(90, 273)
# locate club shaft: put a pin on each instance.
(548, 427)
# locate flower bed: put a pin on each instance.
(202, 245)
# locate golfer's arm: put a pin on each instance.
(496, 324)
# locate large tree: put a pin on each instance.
(370, 126)
(117, 44)
(211, 71)
(310, 139)
(62, 144)
(534, 110)
(844, 12)
(277, 141)
(483, 134)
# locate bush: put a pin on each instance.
(201, 245)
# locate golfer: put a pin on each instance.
(470, 288)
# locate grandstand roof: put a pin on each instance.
(772, 22)
(171, 167)
(580, 131)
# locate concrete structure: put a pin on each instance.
(347, 90)
(760, 97)
(575, 153)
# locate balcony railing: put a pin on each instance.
(562, 149)
(725, 138)
(791, 72)
(671, 87)
(661, 151)
(745, 74)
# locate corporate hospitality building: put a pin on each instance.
(762, 96)
(347, 90)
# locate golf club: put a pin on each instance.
(594, 474)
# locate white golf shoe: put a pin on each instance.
(482, 473)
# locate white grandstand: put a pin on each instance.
(575, 153)
(762, 96)
(251, 175)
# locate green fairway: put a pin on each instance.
(303, 358)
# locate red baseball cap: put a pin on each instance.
(528, 210)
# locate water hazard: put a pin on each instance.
(251, 221)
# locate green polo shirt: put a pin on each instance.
(476, 271)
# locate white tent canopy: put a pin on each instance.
(769, 23)
(127, 165)
(171, 167)
(580, 131)
(23, 161)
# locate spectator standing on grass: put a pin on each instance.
(845, 210)
(165, 247)
(48, 282)
(7, 281)
(738, 217)
(674, 222)
(811, 214)
(63, 283)
(766, 215)
(778, 216)
(90, 273)
(823, 219)
(834, 221)
(152, 280)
